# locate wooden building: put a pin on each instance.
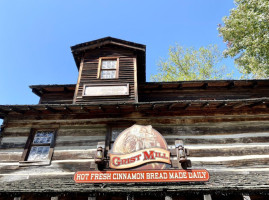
(224, 124)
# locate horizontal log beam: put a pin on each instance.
(222, 105)
(67, 109)
(4, 111)
(257, 104)
(17, 110)
(31, 108)
(85, 109)
(51, 109)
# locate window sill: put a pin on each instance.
(34, 163)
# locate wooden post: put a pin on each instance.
(17, 198)
(246, 197)
(168, 197)
(207, 197)
(54, 198)
(91, 198)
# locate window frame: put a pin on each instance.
(116, 125)
(29, 144)
(100, 67)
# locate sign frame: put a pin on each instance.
(106, 86)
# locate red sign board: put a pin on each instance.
(131, 176)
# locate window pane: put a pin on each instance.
(39, 153)
(108, 74)
(43, 137)
(109, 64)
(116, 132)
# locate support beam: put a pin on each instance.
(50, 109)
(37, 92)
(255, 84)
(3, 111)
(179, 87)
(230, 85)
(171, 106)
(207, 197)
(67, 109)
(66, 90)
(33, 109)
(17, 110)
(257, 104)
(187, 106)
(159, 86)
(85, 109)
(205, 86)
(239, 105)
(222, 105)
(205, 105)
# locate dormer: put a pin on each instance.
(109, 71)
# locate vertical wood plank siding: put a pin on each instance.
(90, 69)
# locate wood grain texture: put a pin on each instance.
(89, 74)
(233, 144)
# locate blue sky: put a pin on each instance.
(35, 36)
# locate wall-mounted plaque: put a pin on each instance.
(93, 90)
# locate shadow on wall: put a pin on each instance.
(1, 122)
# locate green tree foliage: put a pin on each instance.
(246, 32)
(184, 64)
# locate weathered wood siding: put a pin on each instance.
(203, 90)
(90, 69)
(57, 98)
(224, 146)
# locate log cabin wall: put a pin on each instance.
(218, 144)
(89, 71)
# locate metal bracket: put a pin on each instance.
(182, 153)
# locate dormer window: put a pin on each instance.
(108, 68)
